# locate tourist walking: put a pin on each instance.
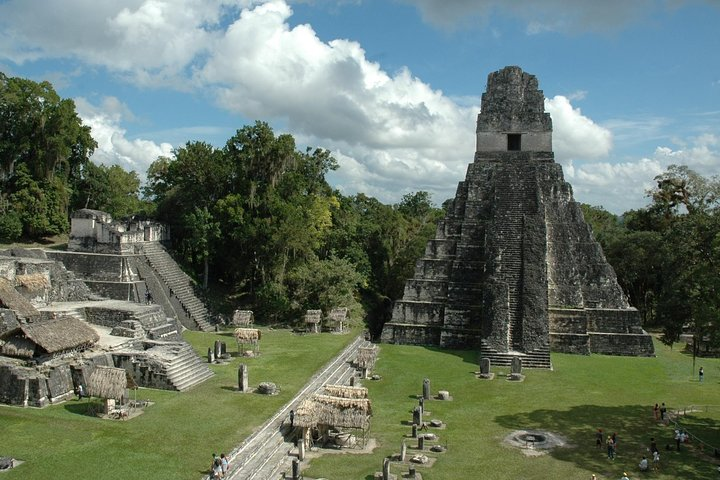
(610, 448)
(625, 476)
(656, 412)
(701, 373)
(663, 412)
(599, 438)
(653, 445)
(224, 463)
(292, 418)
(656, 460)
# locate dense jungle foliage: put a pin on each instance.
(258, 221)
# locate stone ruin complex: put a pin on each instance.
(514, 270)
(62, 314)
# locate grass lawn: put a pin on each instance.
(583, 393)
(174, 438)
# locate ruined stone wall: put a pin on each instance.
(91, 266)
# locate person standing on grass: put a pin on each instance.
(701, 374)
(610, 448)
(663, 411)
(624, 477)
(598, 438)
(656, 460)
(656, 412)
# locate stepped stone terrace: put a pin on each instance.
(58, 324)
(514, 269)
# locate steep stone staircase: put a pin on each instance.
(187, 369)
(180, 286)
(509, 238)
(538, 358)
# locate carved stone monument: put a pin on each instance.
(243, 378)
(426, 389)
(417, 416)
(514, 269)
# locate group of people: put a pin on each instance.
(611, 443)
(219, 466)
(660, 413)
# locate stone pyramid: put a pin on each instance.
(514, 270)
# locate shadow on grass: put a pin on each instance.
(468, 356)
(634, 426)
(84, 407)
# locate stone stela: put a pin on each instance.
(514, 269)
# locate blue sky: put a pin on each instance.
(391, 87)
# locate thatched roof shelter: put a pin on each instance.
(334, 411)
(366, 356)
(12, 299)
(345, 391)
(18, 347)
(243, 318)
(107, 382)
(54, 336)
(247, 335)
(313, 316)
(33, 281)
(337, 318)
(338, 314)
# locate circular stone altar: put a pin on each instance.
(534, 442)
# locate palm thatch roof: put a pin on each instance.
(12, 299)
(313, 316)
(366, 356)
(55, 335)
(338, 314)
(334, 411)
(243, 317)
(18, 347)
(345, 391)
(247, 335)
(107, 382)
(33, 281)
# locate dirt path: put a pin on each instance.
(264, 455)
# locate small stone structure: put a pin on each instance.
(268, 388)
(243, 378)
(485, 369)
(514, 269)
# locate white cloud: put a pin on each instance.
(540, 15)
(575, 135)
(621, 186)
(390, 131)
(113, 146)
